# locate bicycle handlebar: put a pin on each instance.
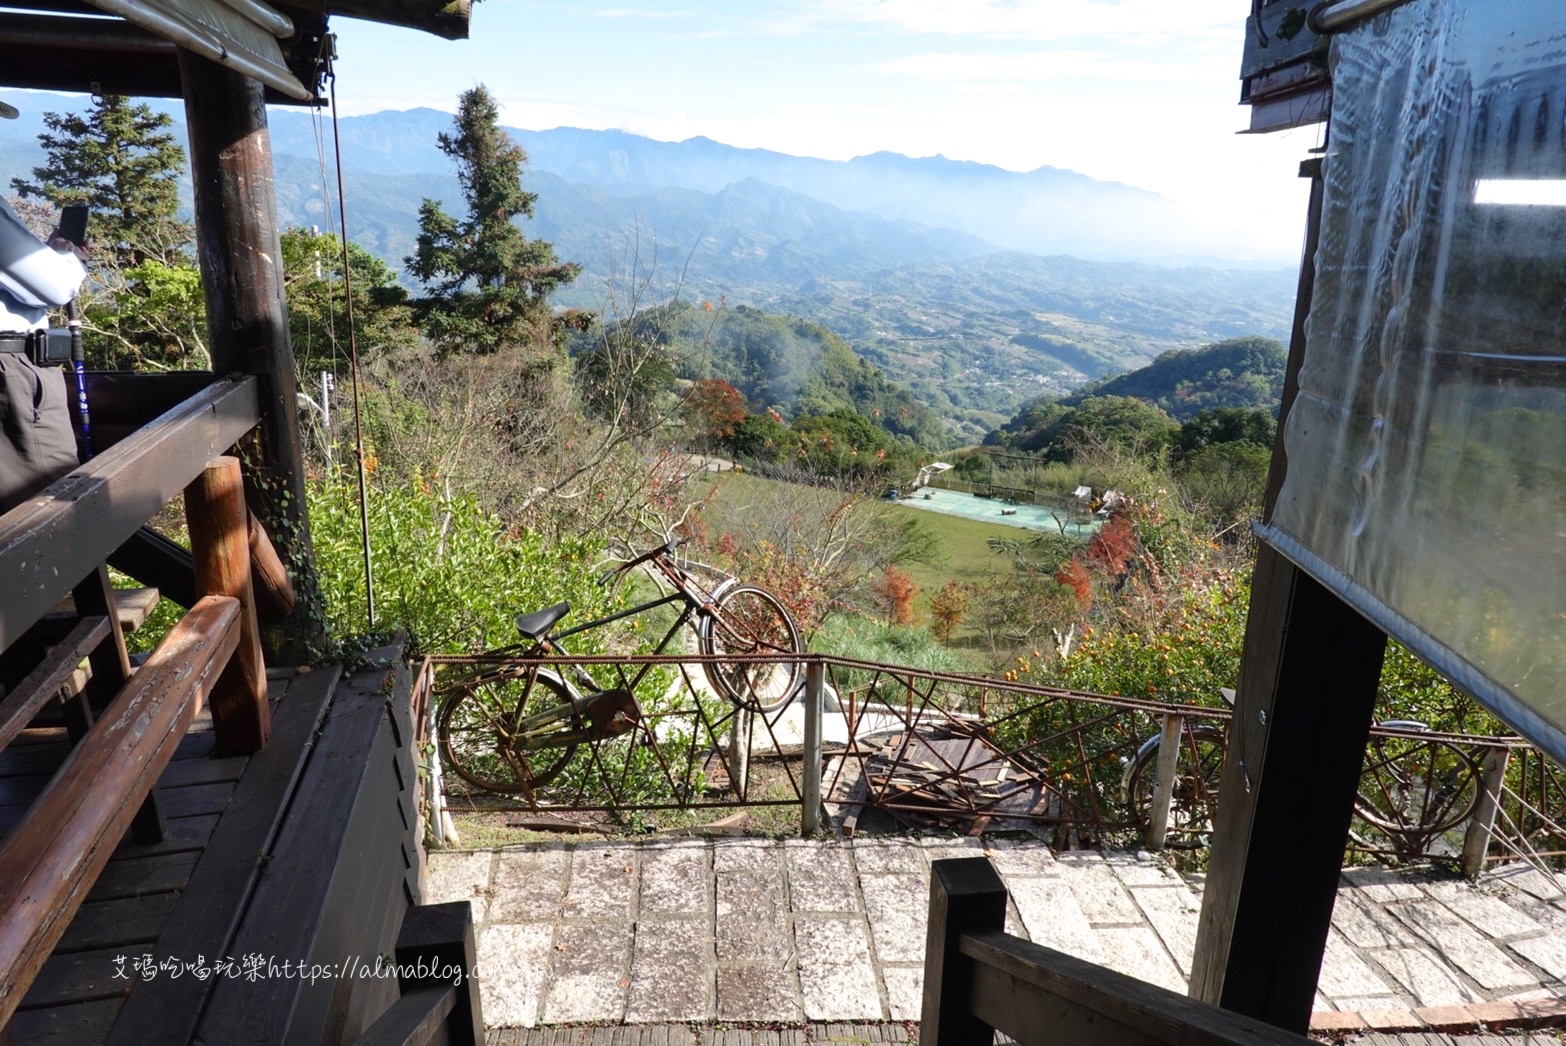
(667, 548)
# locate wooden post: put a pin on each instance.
(220, 543)
(436, 946)
(1163, 791)
(741, 729)
(810, 790)
(966, 896)
(247, 318)
(1476, 843)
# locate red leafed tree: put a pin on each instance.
(715, 409)
(895, 591)
(1074, 576)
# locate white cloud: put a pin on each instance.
(1035, 19)
(1050, 65)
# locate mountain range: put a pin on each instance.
(978, 287)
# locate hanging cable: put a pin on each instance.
(353, 342)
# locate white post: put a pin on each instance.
(810, 787)
(1163, 790)
(739, 751)
(1476, 842)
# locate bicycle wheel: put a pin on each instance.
(481, 725)
(1198, 768)
(750, 620)
(1413, 789)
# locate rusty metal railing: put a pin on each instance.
(874, 745)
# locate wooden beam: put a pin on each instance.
(220, 542)
(1043, 997)
(1296, 748)
(247, 316)
(45, 682)
(214, 900)
(153, 559)
(966, 896)
(436, 947)
(58, 536)
(50, 862)
(418, 1018)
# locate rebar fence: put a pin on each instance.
(867, 746)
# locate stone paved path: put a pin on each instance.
(793, 931)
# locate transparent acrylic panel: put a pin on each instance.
(1427, 448)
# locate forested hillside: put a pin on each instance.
(1240, 372)
(782, 363)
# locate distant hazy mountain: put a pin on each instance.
(1046, 211)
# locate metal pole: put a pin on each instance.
(1328, 19)
(1476, 843)
(815, 691)
(1163, 790)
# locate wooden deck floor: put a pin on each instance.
(193, 897)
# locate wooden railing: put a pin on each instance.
(125, 726)
(978, 980)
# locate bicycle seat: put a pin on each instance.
(539, 622)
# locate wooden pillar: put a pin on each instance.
(247, 317)
(220, 542)
(966, 896)
(1308, 679)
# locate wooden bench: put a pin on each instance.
(979, 980)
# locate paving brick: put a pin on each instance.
(904, 991)
(675, 880)
(1446, 1018)
(528, 885)
(673, 963)
(836, 978)
(757, 991)
(1391, 1020)
(1344, 975)
(1519, 875)
(512, 964)
(1490, 915)
(589, 973)
(1462, 946)
(1173, 911)
(1547, 951)
(1425, 976)
(1380, 885)
(1136, 951)
(1052, 918)
(1017, 857)
(1335, 1021)
(1367, 925)
(821, 880)
(602, 885)
(751, 919)
(898, 909)
(1100, 894)
(1140, 869)
(889, 856)
(455, 876)
(738, 855)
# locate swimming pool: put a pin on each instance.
(1027, 517)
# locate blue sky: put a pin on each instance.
(1138, 91)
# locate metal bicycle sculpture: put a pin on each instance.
(1415, 785)
(514, 726)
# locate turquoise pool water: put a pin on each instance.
(1027, 517)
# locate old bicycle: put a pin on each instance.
(1415, 785)
(511, 723)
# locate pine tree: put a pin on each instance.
(120, 160)
(488, 284)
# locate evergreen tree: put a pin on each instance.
(121, 161)
(488, 284)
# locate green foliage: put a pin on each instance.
(151, 316)
(1227, 425)
(488, 284)
(446, 571)
(1246, 373)
(1119, 422)
(318, 311)
(121, 161)
(788, 364)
